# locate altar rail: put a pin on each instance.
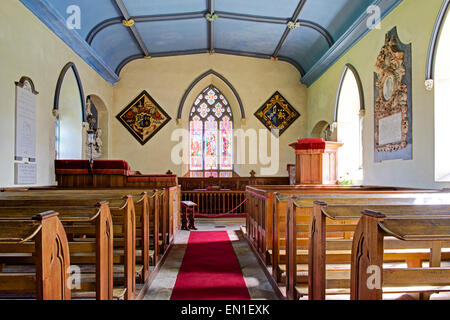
(231, 183)
(216, 202)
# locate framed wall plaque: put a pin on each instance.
(25, 119)
(393, 98)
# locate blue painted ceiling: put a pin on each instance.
(256, 28)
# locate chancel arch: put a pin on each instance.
(70, 112)
(441, 97)
(349, 109)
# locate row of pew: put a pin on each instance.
(326, 242)
(83, 244)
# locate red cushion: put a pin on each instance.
(72, 166)
(100, 167)
(307, 144)
(111, 167)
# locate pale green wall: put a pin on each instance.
(415, 21)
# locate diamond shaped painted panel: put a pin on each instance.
(143, 117)
(277, 113)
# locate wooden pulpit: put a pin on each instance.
(316, 161)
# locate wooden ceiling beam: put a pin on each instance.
(294, 18)
(136, 35)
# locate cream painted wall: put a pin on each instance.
(29, 48)
(167, 79)
(415, 21)
(71, 127)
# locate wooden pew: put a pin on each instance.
(159, 211)
(263, 209)
(368, 249)
(123, 217)
(94, 223)
(338, 216)
(169, 209)
(277, 255)
(52, 261)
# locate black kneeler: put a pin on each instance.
(188, 206)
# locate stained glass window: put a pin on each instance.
(211, 132)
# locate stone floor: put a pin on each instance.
(257, 282)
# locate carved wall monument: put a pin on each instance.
(392, 112)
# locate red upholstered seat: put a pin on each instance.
(111, 167)
(307, 144)
(100, 167)
(72, 166)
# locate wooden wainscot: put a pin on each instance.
(316, 161)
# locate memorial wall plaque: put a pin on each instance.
(25, 173)
(393, 100)
(25, 120)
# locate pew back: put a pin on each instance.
(51, 256)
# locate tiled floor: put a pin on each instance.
(257, 283)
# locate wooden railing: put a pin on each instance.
(216, 202)
(234, 183)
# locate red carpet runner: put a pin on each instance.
(210, 270)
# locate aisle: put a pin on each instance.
(256, 284)
(210, 270)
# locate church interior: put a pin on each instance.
(224, 150)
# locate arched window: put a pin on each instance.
(349, 127)
(441, 105)
(211, 134)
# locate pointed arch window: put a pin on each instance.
(211, 132)
(348, 115)
(441, 95)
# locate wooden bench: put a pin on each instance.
(90, 238)
(368, 250)
(124, 222)
(45, 233)
(158, 211)
(278, 254)
(337, 237)
(263, 209)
